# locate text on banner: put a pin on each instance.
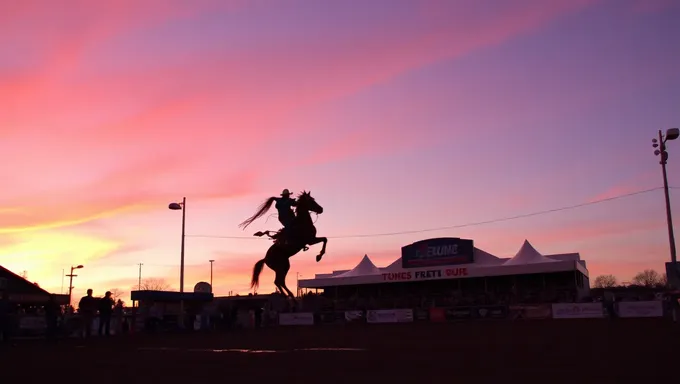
(389, 316)
(640, 309)
(577, 311)
(301, 318)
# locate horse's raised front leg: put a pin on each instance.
(323, 248)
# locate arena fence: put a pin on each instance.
(633, 309)
(34, 325)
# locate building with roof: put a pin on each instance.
(453, 264)
(22, 291)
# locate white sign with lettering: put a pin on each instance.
(640, 309)
(389, 316)
(301, 318)
(577, 311)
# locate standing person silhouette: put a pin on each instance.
(105, 311)
(87, 308)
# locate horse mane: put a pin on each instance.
(302, 195)
(261, 210)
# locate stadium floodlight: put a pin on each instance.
(659, 146)
(176, 206)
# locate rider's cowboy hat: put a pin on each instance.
(286, 192)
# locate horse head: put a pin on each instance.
(308, 203)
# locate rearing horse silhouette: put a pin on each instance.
(302, 232)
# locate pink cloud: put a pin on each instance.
(154, 183)
(592, 230)
(118, 140)
(637, 183)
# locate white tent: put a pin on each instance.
(485, 258)
(528, 255)
(395, 266)
(527, 261)
(364, 268)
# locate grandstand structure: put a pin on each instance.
(452, 269)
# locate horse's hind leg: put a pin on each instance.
(292, 296)
(280, 280)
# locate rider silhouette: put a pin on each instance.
(284, 205)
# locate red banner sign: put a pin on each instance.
(430, 274)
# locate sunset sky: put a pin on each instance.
(397, 115)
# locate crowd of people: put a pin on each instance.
(90, 307)
(63, 320)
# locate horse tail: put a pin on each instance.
(264, 207)
(255, 282)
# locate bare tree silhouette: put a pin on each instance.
(117, 294)
(605, 281)
(155, 284)
(650, 278)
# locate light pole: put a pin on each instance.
(139, 281)
(183, 207)
(297, 283)
(211, 272)
(660, 143)
(70, 283)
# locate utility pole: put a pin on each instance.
(139, 284)
(211, 272)
(70, 283)
(297, 283)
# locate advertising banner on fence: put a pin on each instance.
(354, 316)
(389, 316)
(481, 312)
(421, 314)
(33, 323)
(531, 311)
(458, 313)
(492, 312)
(437, 315)
(404, 315)
(302, 318)
(537, 312)
(640, 309)
(332, 317)
(577, 311)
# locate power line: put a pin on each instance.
(472, 224)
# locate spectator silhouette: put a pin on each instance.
(5, 317)
(87, 308)
(118, 311)
(105, 311)
(52, 312)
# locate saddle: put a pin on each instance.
(281, 237)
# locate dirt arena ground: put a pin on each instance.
(622, 351)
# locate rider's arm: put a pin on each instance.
(293, 202)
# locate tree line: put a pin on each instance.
(648, 278)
